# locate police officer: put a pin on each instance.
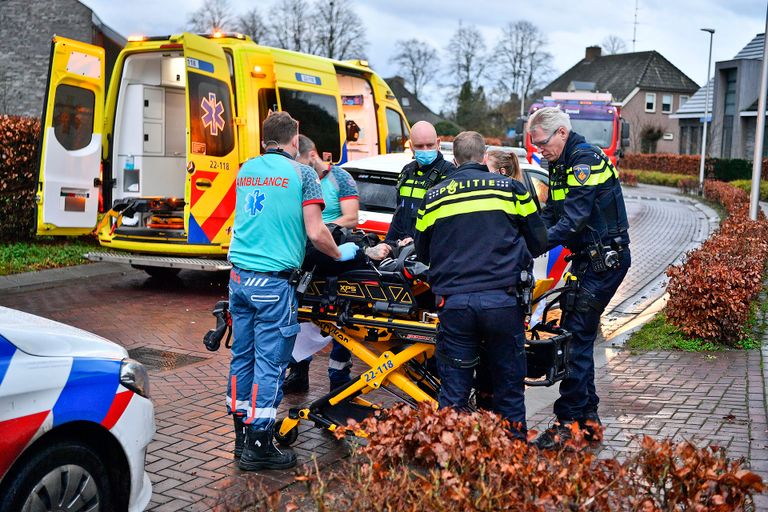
(428, 168)
(278, 205)
(341, 208)
(477, 231)
(585, 213)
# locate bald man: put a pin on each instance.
(427, 169)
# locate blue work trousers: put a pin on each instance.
(339, 365)
(495, 317)
(264, 328)
(578, 396)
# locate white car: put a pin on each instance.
(75, 420)
(376, 179)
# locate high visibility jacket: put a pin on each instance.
(477, 231)
(585, 204)
(412, 186)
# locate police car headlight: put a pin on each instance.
(134, 376)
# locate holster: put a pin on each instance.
(212, 339)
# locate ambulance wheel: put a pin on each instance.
(159, 272)
(289, 438)
(63, 476)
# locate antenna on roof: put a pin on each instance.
(634, 31)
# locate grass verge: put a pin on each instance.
(43, 253)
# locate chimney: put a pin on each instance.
(593, 53)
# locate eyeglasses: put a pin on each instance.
(545, 141)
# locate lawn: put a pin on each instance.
(44, 252)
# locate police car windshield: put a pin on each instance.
(377, 193)
(597, 131)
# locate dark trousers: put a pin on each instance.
(495, 317)
(578, 396)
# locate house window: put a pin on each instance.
(405, 102)
(666, 103)
(650, 102)
(683, 99)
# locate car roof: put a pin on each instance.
(393, 163)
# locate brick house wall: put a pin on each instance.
(639, 117)
(26, 29)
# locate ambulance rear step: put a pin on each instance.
(145, 260)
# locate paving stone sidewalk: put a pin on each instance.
(719, 398)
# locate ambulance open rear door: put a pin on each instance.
(212, 157)
(67, 199)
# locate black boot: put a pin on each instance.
(239, 435)
(298, 380)
(261, 453)
(592, 426)
(555, 436)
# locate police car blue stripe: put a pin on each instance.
(554, 255)
(89, 391)
(7, 349)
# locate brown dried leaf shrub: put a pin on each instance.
(628, 178)
(19, 138)
(449, 461)
(710, 294)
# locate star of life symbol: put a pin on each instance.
(254, 203)
(213, 116)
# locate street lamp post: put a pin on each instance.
(757, 160)
(706, 113)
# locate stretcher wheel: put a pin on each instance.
(289, 438)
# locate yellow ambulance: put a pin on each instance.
(153, 159)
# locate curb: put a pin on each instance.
(51, 278)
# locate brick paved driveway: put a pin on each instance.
(190, 459)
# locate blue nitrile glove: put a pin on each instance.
(348, 251)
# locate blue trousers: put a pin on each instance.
(264, 328)
(578, 395)
(339, 365)
(495, 317)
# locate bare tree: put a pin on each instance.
(213, 15)
(521, 63)
(466, 50)
(416, 61)
(252, 24)
(339, 30)
(613, 44)
(293, 28)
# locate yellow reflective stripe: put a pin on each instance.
(558, 194)
(598, 167)
(470, 206)
(594, 179)
(419, 193)
(525, 208)
(472, 193)
(406, 191)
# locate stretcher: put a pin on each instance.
(386, 317)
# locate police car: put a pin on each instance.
(75, 420)
(377, 176)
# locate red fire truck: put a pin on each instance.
(593, 115)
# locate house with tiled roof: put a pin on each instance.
(645, 84)
(734, 106)
(413, 108)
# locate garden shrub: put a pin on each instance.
(710, 294)
(19, 138)
(422, 459)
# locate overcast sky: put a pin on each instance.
(670, 27)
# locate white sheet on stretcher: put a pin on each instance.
(309, 341)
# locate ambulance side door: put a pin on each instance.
(212, 156)
(67, 199)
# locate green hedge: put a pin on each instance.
(746, 185)
(667, 179)
(18, 174)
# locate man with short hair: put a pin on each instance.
(278, 205)
(341, 208)
(477, 289)
(585, 213)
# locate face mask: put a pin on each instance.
(425, 156)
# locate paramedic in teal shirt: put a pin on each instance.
(341, 208)
(278, 206)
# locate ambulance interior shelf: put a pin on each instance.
(360, 116)
(150, 132)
